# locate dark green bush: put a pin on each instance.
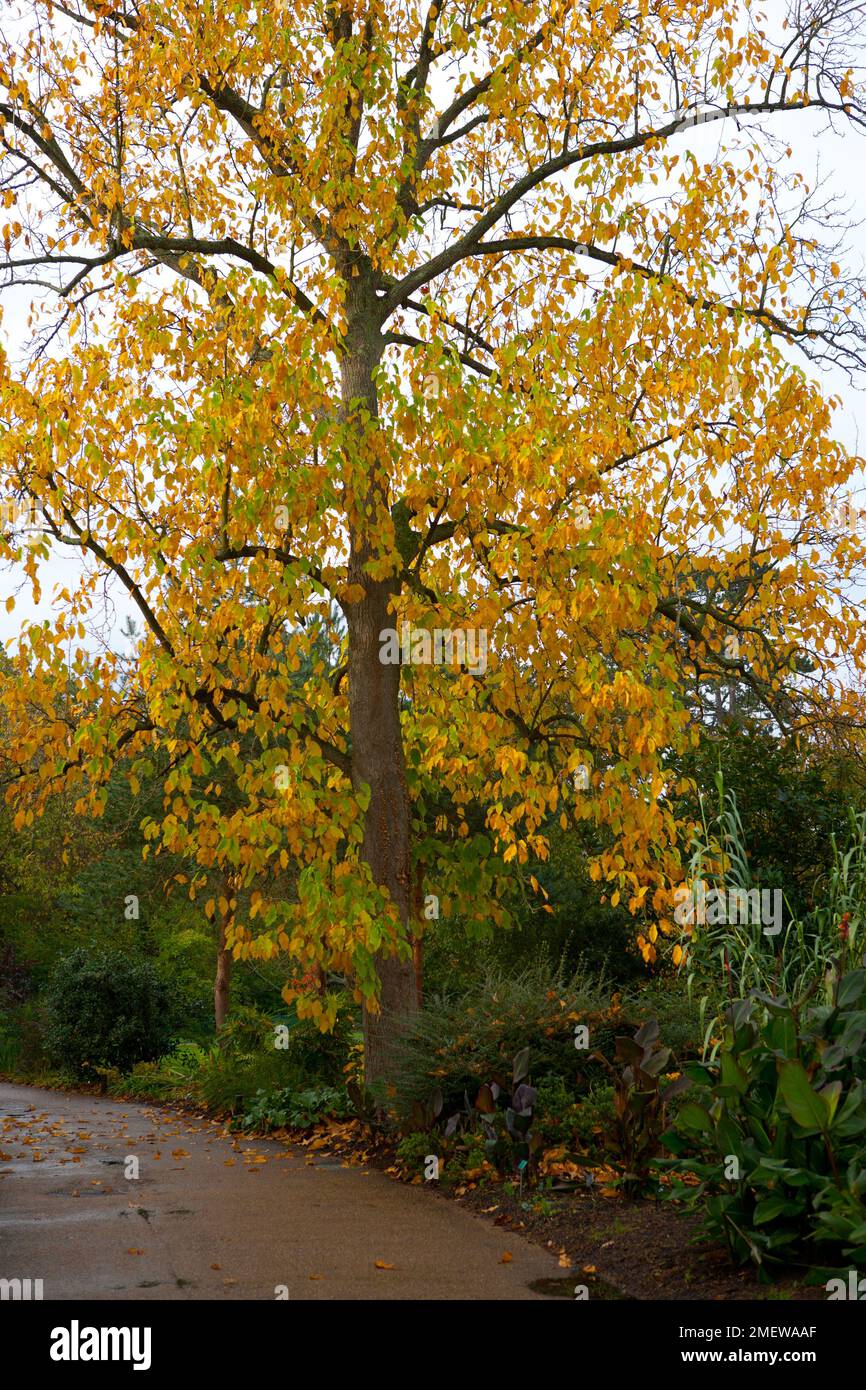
(665, 999)
(248, 1069)
(106, 1010)
(577, 1124)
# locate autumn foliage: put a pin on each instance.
(347, 315)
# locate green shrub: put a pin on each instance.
(10, 1049)
(578, 1124)
(295, 1109)
(557, 1119)
(665, 999)
(412, 1151)
(457, 1043)
(775, 1132)
(246, 1031)
(324, 1057)
(594, 1117)
(106, 1010)
(228, 1082)
(312, 1054)
(173, 1077)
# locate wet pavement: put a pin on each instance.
(217, 1216)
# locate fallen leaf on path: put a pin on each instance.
(216, 1266)
(180, 1153)
(133, 1251)
(380, 1264)
(507, 1257)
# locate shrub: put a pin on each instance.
(412, 1151)
(228, 1081)
(246, 1031)
(577, 1124)
(664, 998)
(325, 1057)
(174, 1076)
(775, 1131)
(595, 1115)
(295, 1109)
(457, 1043)
(247, 1069)
(22, 1039)
(106, 1010)
(557, 1121)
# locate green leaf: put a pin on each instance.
(694, 1116)
(733, 1074)
(807, 1107)
(830, 1095)
(774, 1205)
(851, 988)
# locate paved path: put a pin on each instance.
(214, 1216)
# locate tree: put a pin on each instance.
(429, 314)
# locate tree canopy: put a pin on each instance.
(362, 314)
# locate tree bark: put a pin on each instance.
(222, 980)
(374, 715)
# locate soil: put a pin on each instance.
(642, 1249)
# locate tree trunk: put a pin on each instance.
(374, 718)
(377, 760)
(222, 981)
(418, 938)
